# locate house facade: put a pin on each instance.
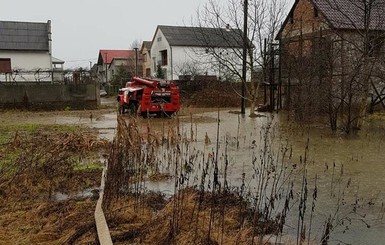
(57, 70)
(145, 52)
(25, 51)
(181, 52)
(110, 63)
(332, 50)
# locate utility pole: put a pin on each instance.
(106, 69)
(244, 55)
(136, 61)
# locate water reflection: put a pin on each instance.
(347, 170)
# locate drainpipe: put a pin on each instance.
(171, 67)
(136, 61)
(106, 69)
(49, 33)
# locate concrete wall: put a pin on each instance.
(49, 96)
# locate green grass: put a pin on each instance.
(30, 127)
(7, 132)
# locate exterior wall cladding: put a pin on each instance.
(303, 23)
(322, 52)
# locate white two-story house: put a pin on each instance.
(182, 51)
(25, 51)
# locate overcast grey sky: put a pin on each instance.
(81, 27)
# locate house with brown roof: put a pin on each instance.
(110, 61)
(334, 50)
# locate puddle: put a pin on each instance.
(86, 193)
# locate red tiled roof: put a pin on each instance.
(106, 56)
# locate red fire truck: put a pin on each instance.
(148, 97)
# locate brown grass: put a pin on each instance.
(131, 223)
(34, 167)
(188, 217)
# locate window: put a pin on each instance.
(159, 39)
(163, 55)
(5, 65)
(315, 11)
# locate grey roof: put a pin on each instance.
(24, 36)
(350, 14)
(57, 61)
(202, 36)
(146, 44)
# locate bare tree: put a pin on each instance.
(137, 43)
(137, 68)
(188, 69)
(360, 54)
(263, 18)
(338, 63)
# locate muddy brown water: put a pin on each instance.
(350, 170)
(358, 160)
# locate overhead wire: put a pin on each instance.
(81, 60)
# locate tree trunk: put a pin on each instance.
(364, 94)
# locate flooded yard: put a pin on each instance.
(347, 171)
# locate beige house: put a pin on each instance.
(145, 52)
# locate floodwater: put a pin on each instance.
(348, 171)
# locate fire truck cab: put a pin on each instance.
(148, 97)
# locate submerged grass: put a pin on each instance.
(7, 132)
(35, 163)
(202, 205)
(204, 208)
